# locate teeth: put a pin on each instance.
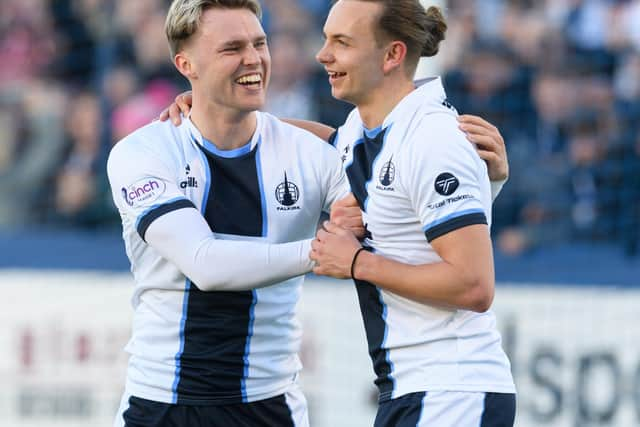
(253, 78)
(336, 74)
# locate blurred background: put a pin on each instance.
(559, 78)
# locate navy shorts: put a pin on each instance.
(448, 409)
(283, 411)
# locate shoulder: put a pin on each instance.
(153, 142)
(350, 131)
(439, 131)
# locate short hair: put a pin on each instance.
(183, 18)
(408, 21)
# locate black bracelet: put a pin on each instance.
(353, 262)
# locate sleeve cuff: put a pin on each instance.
(454, 224)
(151, 215)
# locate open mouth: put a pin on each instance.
(333, 75)
(252, 81)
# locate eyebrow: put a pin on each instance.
(238, 42)
(337, 36)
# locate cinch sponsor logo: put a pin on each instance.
(143, 191)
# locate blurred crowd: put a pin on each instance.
(560, 78)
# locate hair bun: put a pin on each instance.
(436, 27)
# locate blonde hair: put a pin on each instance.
(184, 17)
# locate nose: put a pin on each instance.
(251, 56)
(324, 55)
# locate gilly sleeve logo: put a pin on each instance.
(143, 192)
(446, 184)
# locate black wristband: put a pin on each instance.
(353, 262)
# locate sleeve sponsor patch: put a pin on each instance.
(446, 184)
(450, 200)
(143, 192)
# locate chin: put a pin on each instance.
(342, 96)
(337, 94)
(251, 106)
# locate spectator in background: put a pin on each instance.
(290, 91)
(30, 149)
(526, 65)
(27, 43)
(81, 195)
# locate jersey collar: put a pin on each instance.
(212, 148)
(428, 95)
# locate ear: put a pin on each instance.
(394, 56)
(184, 65)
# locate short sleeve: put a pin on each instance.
(337, 185)
(143, 183)
(444, 177)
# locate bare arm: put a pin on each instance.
(464, 278)
(318, 129)
(182, 106)
(488, 141)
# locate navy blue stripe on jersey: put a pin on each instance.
(235, 200)
(333, 138)
(155, 212)
(499, 410)
(360, 170)
(404, 411)
(247, 347)
(263, 200)
(264, 413)
(453, 222)
(374, 316)
(218, 326)
(212, 363)
(183, 319)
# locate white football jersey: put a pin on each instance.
(417, 178)
(191, 346)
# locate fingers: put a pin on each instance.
(174, 113)
(488, 156)
(333, 228)
(471, 130)
(343, 216)
(164, 116)
(350, 200)
(185, 107)
(468, 119)
(485, 142)
(321, 236)
(347, 201)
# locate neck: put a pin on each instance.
(383, 100)
(227, 129)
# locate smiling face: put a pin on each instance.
(351, 54)
(227, 60)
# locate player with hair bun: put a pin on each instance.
(424, 274)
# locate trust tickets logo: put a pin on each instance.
(144, 191)
(446, 184)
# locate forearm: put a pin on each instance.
(439, 284)
(184, 238)
(240, 265)
(318, 129)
